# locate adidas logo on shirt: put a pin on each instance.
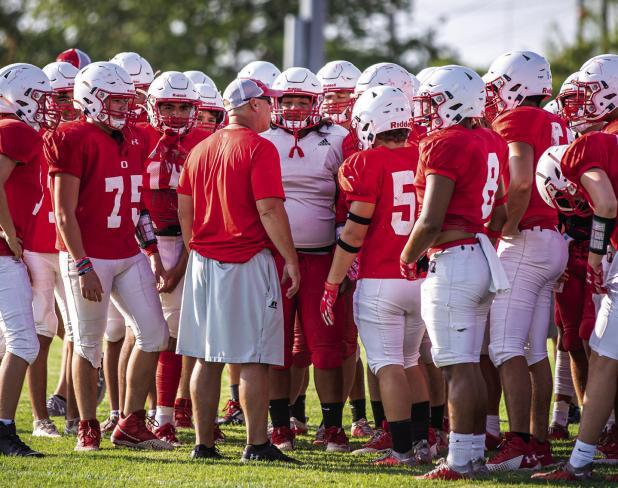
(324, 142)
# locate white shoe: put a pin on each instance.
(44, 428)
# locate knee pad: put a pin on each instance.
(410, 360)
(154, 338)
(562, 375)
(115, 330)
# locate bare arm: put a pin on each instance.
(521, 172)
(429, 224)
(499, 214)
(275, 221)
(185, 215)
(354, 235)
(7, 228)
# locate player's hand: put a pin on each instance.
(14, 243)
(416, 270)
(174, 275)
(90, 286)
(328, 303)
(353, 270)
(594, 278)
(159, 271)
(291, 273)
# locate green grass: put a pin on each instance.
(117, 467)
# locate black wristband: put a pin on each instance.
(601, 231)
(346, 247)
(358, 219)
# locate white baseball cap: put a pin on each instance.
(241, 90)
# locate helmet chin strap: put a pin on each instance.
(296, 147)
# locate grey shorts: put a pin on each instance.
(232, 312)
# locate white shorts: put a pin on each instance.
(170, 249)
(116, 324)
(232, 312)
(130, 285)
(16, 317)
(47, 288)
(519, 318)
(604, 338)
(455, 301)
(387, 313)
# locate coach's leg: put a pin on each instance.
(254, 401)
(205, 392)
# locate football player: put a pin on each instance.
(263, 71)
(378, 183)
(533, 253)
(96, 165)
(142, 74)
(458, 184)
(310, 152)
(26, 106)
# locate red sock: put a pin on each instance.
(169, 369)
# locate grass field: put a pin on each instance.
(121, 467)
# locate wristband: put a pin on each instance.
(602, 228)
(144, 230)
(358, 219)
(346, 247)
(83, 265)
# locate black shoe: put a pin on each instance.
(12, 445)
(266, 453)
(574, 414)
(202, 452)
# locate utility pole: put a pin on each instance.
(304, 36)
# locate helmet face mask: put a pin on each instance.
(495, 104)
(167, 119)
(288, 115)
(64, 102)
(427, 106)
(337, 105)
(113, 117)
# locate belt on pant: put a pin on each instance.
(447, 245)
(171, 231)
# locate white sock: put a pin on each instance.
(493, 425)
(459, 450)
(561, 413)
(164, 415)
(114, 413)
(563, 378)
(582, 454)
(151, 413)
(478, 446)
(6, 421)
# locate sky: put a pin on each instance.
(481, 30)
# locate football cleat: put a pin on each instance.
(283, 438)
(132, 432)
(44, 428)
(566, 472)
(444, 472)
(422, 452)
(320, 436)
(218, 434)
(268, 453)
(71, 427)
(167, 433)
(202, 452)
(88, 436)
(361, 428)
(514, 454)
(557, 432)
(12, 445)
(336, 440)
(492, 442)
(391, 458)
(479, 468)
(233, 414)
(56, 406)
(609, 453)
(109, 425)
(380, 441)
(298, 427)
(183, 413)
(542, 452)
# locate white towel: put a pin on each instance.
(499, 281)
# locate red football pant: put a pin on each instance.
(169, 369)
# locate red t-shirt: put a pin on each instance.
(44, 228)
(225, 175)
(612, 127)
(110, 176)
(593, 150)
(474, 159)
(23, 145)
(166, 157)
(540, 129)
(384, 177)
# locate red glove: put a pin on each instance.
(414, 271)
(594, 278)
(328, 302)
(353, 270)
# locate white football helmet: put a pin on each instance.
(260, 70)
(596, 91)
(338, 76)
(139, 69)
(423, 74)
(95, 85)
(25, 91)
(449, 95)
(380, 109)
(297, 82)
(555, 189)
(171, 86)
(210, 100)
(514, 76)
(388, 74)
(62, 77)
(198, 77)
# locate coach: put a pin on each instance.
(230, 202)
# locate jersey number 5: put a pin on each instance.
(116, 184)
(403, 198)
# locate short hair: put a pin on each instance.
(537, 100)
(394, 135)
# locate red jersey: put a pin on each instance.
(612, 127)
(23, 145)
(110, 174)
(167, 155)
(540, 129)
(44, 228)
(474, 159)
(225, 175)
(417, 133)
(593, 150)
(384, 177)
(350, 145)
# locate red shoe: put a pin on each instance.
(336, 440)
(298, 427)
(233, 414)
(542, 452)
(514, 454)
(283, 438)
(320, 436)
(566, 472)
(132, 432)
(361, 428)
(183, 413)
(167, 433)
(557, 432)
(390, 459)
(218, 435)
(492, 442)
(88, 435)
(381, 441)
(444, 472)
(609, 451)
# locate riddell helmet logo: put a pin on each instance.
(400, 125)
